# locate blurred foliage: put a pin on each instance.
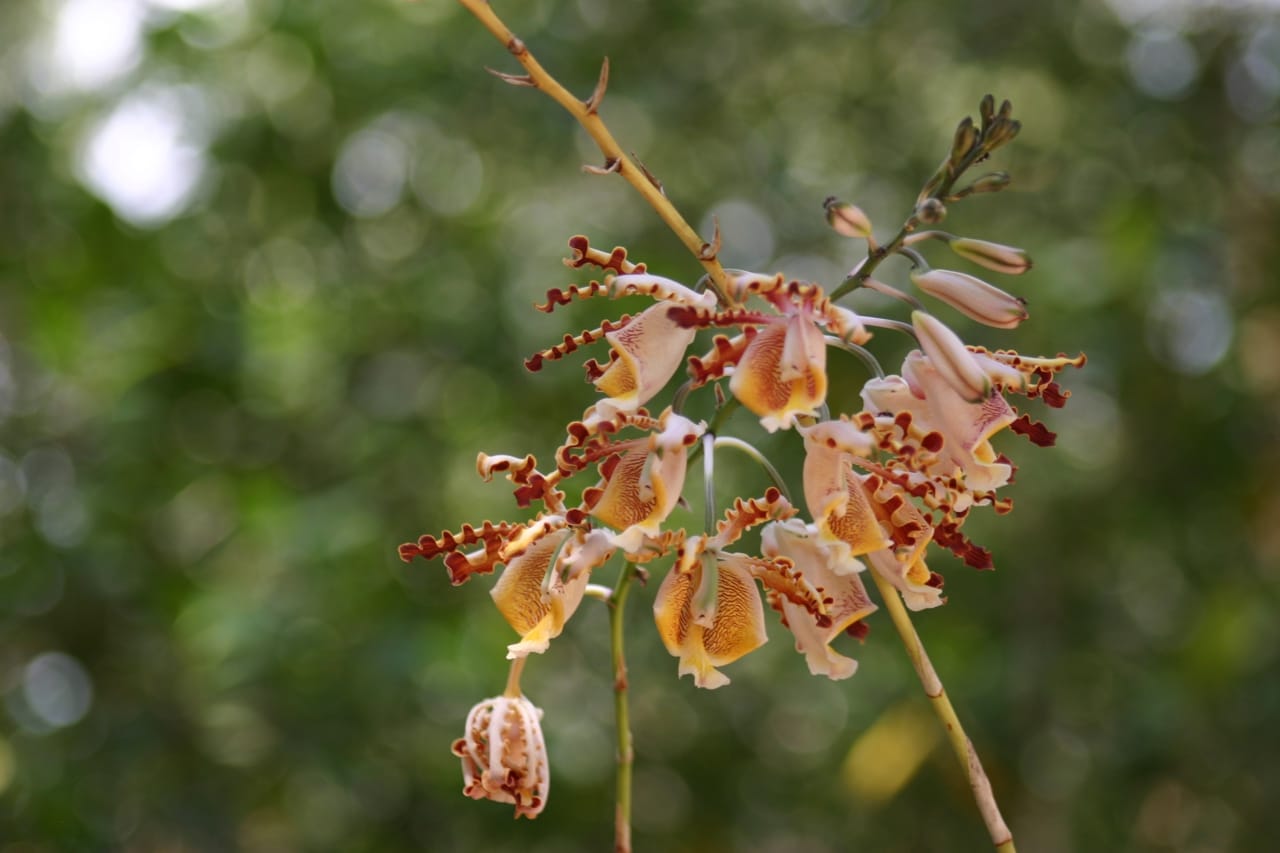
(265, 279)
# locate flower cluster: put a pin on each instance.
(880, 485)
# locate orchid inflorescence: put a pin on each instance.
(880, 485)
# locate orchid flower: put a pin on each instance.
(836, 579)
(641, 478)
(935, 406)
(839, 504)
(778, 365)
(708, 609)
(504, 756)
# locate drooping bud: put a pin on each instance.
(1009, 260)
(504, 757)
(989, 183)
(846, 219)
(973, 297)
(949, 356)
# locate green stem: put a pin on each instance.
(877, 254)
(626, 754)
(861, 353)
(742, 446)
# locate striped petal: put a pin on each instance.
(537, 612)
(736, 628)
(642, 487)
(835, 496)
(783, 373)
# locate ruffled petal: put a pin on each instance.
(642, 487)
(909, 577)
(648, 351)
(837, 581)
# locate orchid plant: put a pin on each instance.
(880, 486)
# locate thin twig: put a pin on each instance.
(1001, 837)
(585, 112)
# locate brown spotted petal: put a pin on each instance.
(934, 405)
(504, 757)
(643, 485)
(836, 580)
(736, 627)
(834, 494)
(783, 373)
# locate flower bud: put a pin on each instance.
(973, 297)
(504, 757)
(951, 358)
(847, 219)
(931, 211)
(992, 182)
(962, 144)
(994, 256)
(987, 109)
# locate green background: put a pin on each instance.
(266, 271)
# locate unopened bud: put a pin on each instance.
(1009, 260)
(504, 757)
(991, 183)
(948, 354)
(987, 109)
(931, 211)
(973, 297)
(847, 219)
(962, 144)
(1001, 132)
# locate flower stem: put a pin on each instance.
(513, 678)
(1001, 837)
(626, 754)
(761, 460)
(615, 159)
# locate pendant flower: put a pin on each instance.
(839, 504)
(966, 427)
(836, 580)
(641, 478)
(540, 589)
(708, 609)
(547, 561)
(779, 362)
(504, 757)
